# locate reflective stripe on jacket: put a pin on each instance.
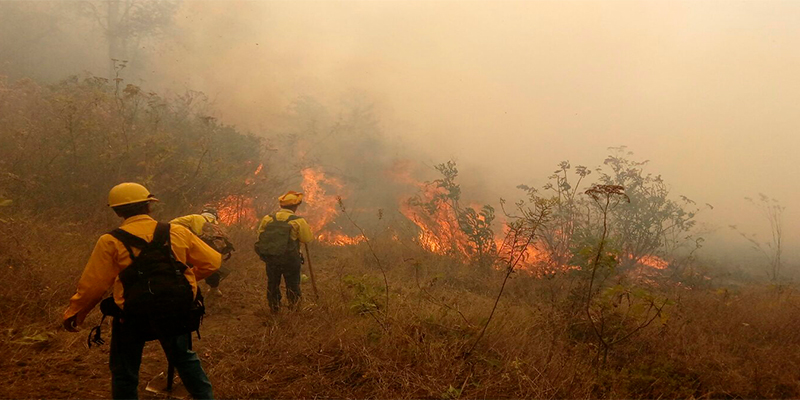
(110, 257)
(300, 229)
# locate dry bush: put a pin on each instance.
(714, 343)
(65, 145)
(41, 258)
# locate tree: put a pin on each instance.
(651, 223)
(556, 238)
(617, 312)
(126, 22)
(772, 210)
(65, 145)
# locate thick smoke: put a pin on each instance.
(508, 89)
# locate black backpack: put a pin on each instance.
(276, 240)
(158, 298)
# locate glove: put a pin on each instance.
(71, 324)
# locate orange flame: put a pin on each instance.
(439, 231)
(323, 208)
(237, 209)
(252, 179)
(654, 262)
(339, 239)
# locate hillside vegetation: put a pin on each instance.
(712, 343)
(590, 287)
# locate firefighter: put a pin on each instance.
(206, 226)
(141, 313)
(278, 245)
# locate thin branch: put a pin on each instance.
(512, 263)
(644, 325)
(432, 299)
(369, 245)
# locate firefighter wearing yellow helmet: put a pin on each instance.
(278, 245)
(140, 261)
(206, 226)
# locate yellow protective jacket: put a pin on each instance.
(110, 257)
(300, 229)
(195, 222)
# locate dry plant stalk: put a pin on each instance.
(520, 235)
(607, 197)
(369, 245)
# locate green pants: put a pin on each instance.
(125, 357)
(289, 269)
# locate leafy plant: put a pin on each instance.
(474, 224)
(609, 325)
(650, 223)
(65, 145)
(367, 295)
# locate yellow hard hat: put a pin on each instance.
(291, 198)
(128, 193)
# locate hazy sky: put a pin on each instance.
(706, 90)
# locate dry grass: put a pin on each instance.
(716, 343)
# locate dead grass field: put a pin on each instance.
(716, 342)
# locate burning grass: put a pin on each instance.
(714, 342)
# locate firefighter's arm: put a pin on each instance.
(194, 222)
(99, 274)
(304, 234)
(203, 259)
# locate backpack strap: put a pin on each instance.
(161, 240)
(128, 240)
(290, 219)
(161, 235)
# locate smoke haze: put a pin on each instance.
(705, 90)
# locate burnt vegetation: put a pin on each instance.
(590, 285)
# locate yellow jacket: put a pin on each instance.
(110, 257)
(195, 222)
(300, 229)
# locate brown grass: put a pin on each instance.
(716, 343)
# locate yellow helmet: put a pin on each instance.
(128, 193)
(291, 198)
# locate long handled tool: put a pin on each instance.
(170, 376)
(311, 272)
(165, 384)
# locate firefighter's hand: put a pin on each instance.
(71, 324)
